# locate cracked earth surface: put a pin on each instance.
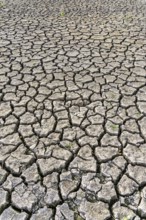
(72, 110)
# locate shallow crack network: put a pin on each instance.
(72, 110)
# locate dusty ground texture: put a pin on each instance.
(72, 110)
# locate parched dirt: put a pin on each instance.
(72, 110)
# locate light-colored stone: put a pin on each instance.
(68, 183)
(142, 205)
(5, 109)
(138, 173)
(18, 159)
(121, 212)
(10, 214)
(127, 186)
(91, 211)
(43, 214)
(31, 174)
(27, 197)
(104, 154)
(3, 198)
(72, 53)
(136, 155)
(63, 211)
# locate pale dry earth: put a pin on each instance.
(72, 110)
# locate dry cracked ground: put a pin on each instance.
(72, 110)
